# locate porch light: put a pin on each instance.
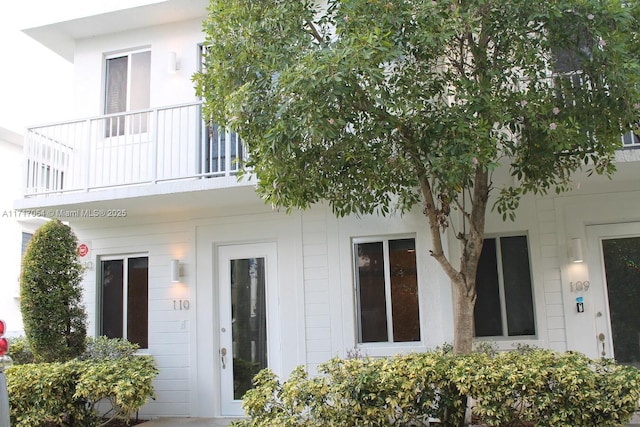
(175, 270)
(576, 250)
(173, 63)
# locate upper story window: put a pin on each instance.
(127, 89)
(387, 290)
(631, 139)
(504, 306)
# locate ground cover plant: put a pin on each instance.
(523, 387)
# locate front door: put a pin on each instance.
(619, 247)
(247, 276)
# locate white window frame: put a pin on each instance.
(502, 295)
(125, 291)
(129, 54)
(385, 239)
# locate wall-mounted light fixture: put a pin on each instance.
(174, 65)
(175, 270)
(576, 250)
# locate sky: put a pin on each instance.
(36, 85)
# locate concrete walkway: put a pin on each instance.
(191, 422)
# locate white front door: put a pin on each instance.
(247, 276)
(615, 272)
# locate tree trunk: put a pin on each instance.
(463, 317)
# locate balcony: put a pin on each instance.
(140, 148)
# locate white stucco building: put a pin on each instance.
(190, 263)
(15, 228)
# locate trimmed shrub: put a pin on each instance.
(54, 319)
(20, 351)
(44, 392)
(103, 348)
(528, 387)
(68, 393)
(550, 389)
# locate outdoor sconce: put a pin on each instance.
(173, 63)
(576, 250)
(175, 270)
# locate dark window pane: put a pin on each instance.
(116, 100)
(26, 238)
(371, 292)
(137, 301)
(249, 325)
(404, 290)
(112, 292)
(622, 270)
(488, 314)
(517, 286)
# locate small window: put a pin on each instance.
(574, 52)
(504, 306)
(631, 139)
(125, 298)
(387, 291)
(26, 238)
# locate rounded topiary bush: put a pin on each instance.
(54, 319)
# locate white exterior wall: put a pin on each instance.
(316, 309)
(12, 225)
(169, 329)
(166, 88)
(11, 232)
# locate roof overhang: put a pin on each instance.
(107, 17)
(11, 136)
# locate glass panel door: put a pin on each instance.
(622, 272)
(246, 273)
(249, 322)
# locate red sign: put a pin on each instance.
(4, 343)
(83, 250)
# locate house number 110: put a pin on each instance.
(182, 304)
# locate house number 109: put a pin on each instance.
(181, 304)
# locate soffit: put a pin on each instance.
(60, 36)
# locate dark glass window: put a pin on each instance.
(387, 291)
(125, 299)
(504, 306)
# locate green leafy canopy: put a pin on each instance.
(378, 105)
(364, 102)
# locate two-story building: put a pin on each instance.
(189, 262)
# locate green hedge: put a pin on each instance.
(530, 386)
(67, 393)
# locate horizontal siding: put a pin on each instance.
(169, 329)
(551, 274)
(317, 294)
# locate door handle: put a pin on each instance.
(601, 338)
(223, 354)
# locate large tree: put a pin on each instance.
(378, 105)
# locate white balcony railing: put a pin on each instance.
(142, 147)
